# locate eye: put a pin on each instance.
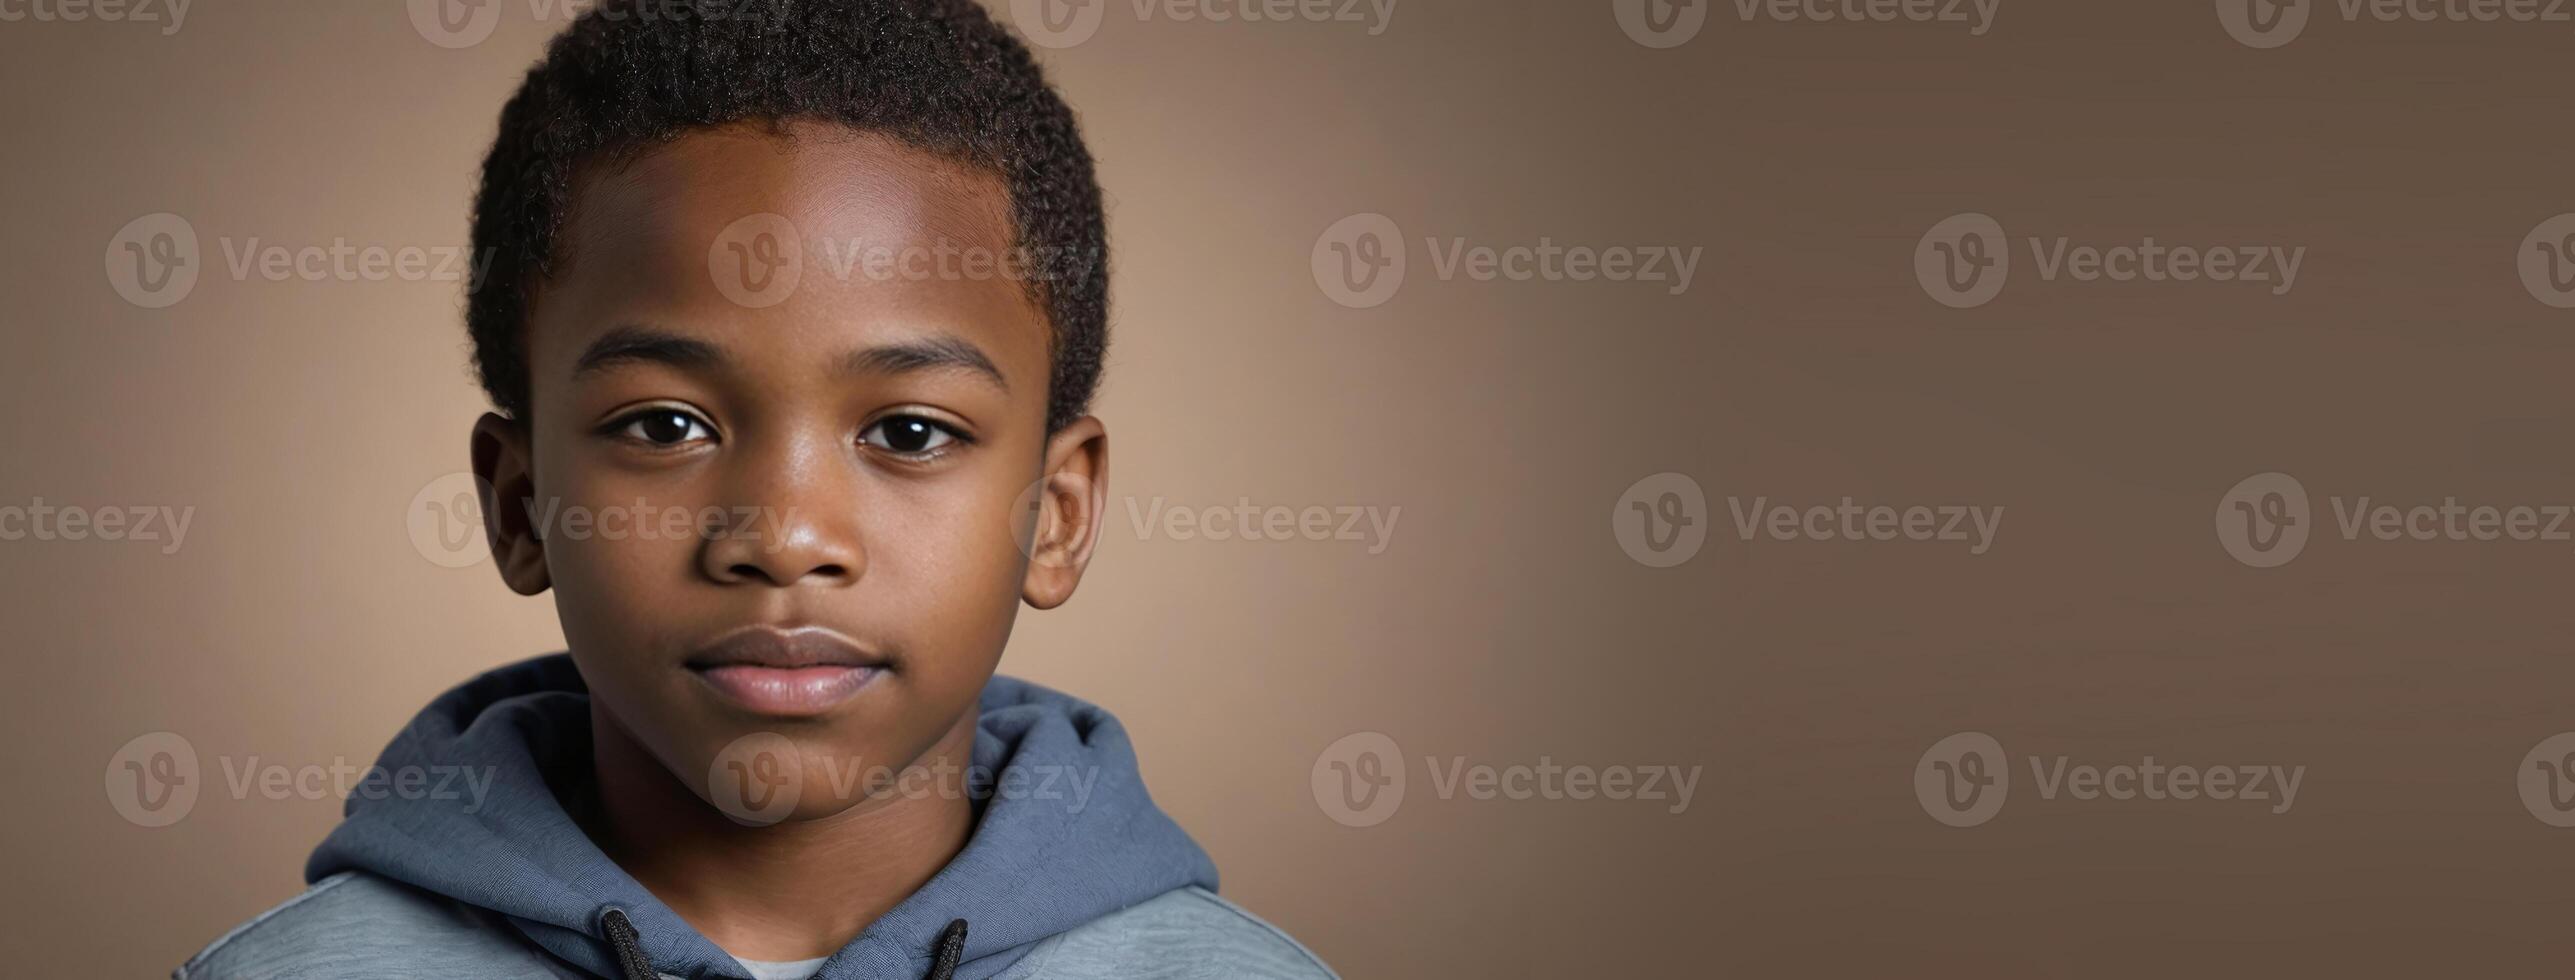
(909, 435)
(664, 427)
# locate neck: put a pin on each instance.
(795, 890)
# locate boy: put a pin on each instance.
(776, 748)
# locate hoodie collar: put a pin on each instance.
(1070, 836)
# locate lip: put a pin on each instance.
(786, 672)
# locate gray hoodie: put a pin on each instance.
(1072, 872)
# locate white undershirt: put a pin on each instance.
(782, 970)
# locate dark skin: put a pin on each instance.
(870, 444)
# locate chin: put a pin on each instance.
(767, 776)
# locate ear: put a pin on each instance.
(505, 477)
(1070, 497)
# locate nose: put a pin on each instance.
(792, 520)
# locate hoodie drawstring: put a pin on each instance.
(629, 945)
(952, 947)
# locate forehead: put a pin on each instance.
(787, 237)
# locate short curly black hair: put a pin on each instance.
(938, 75)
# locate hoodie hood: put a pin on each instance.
(1041, 861)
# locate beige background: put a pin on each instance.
(300, 625)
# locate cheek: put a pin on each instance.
(944, 565)
(609, 586)
(616, 548)
(947, 557)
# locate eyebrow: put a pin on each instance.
(942, 353)
(634, 343)
(630, 344)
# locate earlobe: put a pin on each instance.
(505, 478)
(1069, 501)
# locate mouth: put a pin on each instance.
(783, 672)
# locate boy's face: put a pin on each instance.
(774, 498)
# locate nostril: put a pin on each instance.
(748, 572)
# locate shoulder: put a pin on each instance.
(1182, 933)
(357, 924)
